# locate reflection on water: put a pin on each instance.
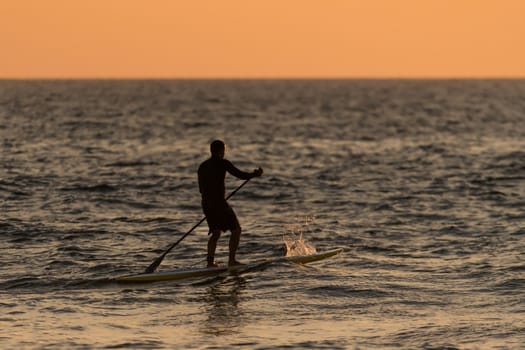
(222, 306)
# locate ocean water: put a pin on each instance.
(420, 181)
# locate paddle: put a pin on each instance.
(157, 261)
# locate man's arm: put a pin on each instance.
(232, 169)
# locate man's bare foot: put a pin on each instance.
(235, 263)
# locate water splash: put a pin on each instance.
(293, 238)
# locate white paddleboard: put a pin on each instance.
(210, 271)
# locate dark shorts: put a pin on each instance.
(220, 217)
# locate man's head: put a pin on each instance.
(217, 148)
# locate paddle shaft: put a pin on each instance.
(157, 261)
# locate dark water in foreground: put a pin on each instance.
(422, 183)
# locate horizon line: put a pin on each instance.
(452, 77)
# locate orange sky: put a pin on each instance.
(261, 38)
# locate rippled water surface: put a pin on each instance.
(421, 182)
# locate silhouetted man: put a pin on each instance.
(219, 215)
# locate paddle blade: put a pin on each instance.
(154, 265)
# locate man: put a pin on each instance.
(219, 215)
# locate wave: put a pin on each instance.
(91, 188)
(131, 164)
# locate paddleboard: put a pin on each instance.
(203, 272)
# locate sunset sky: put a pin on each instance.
(261, 39)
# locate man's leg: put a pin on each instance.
(234, 244)
(212, 246)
